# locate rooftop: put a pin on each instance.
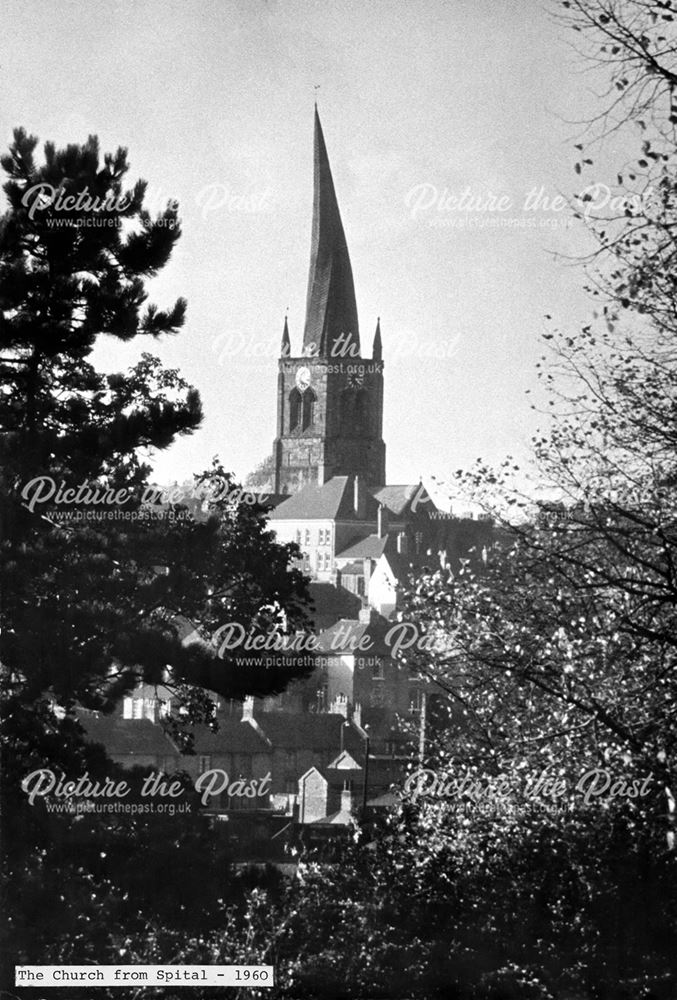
(331, 502)
(346, 634)
(130, 737)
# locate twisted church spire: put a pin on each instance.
(331, 309)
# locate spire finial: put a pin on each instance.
(377, 351)
(285, 348)
(330, 301)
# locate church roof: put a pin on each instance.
(330, 304)
(331, 502)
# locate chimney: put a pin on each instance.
(365, 615)
(340, 706)
(382, 521)
(248, 709)
(359, 499)
(357, 714)
(366, 570)
(346, 800)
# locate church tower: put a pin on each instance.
(330, 399)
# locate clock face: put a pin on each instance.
(355, 380)
(303, 378)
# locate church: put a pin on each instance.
(329, 398)
(359, 536)
(335, 742)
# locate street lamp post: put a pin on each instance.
(366, 776)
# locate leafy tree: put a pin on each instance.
(98, 580)
(262, 477)
(80, 593)
(630, 48)
(557, 657)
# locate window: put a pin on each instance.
(320, 537)
(360, 413)
(137, 708)
(298, 537)
(360, 586)
(309, 399)
(307, 536)
(417, 701)
(378, 672)
(295, 405)
(205, 763)
(353, 411)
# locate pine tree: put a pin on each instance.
(82, 596)
(98, 585)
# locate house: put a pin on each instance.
(349, 787)
(131, 743)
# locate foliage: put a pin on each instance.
(97, 583)
(262, 477)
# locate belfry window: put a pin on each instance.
(295, 407)
(309, 400)
(359, 413)
(354, 411)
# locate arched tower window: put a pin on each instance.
(295, 405)
(360, 412)
(309, 400)
(354, 411)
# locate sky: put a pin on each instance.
(422, 103)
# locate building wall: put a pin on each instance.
(288, 766)
(236, 765)
(316, 539)
(382, 591)
(321, 538)
(312, 794)
(156, 761)
(345, 437)
(340, 677)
